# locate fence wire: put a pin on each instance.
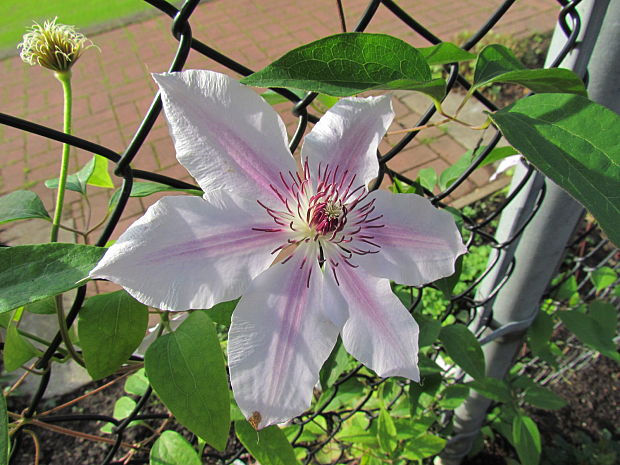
(480, 228)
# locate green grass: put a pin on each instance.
(19, 14)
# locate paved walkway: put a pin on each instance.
(113, 89)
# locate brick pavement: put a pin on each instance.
(113, 88)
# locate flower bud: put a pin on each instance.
(53, 46)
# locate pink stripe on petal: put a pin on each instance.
(379, 332)
(279, 338)
(347, 137)
(226, 135)
(418, 243)
(188, 252)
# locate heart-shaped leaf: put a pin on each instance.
(350, 63)
(22, 205)
(497, 64)
(186, 369)
(575, 142)
(32, 272)
(110, 326)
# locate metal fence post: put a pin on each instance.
(538, 252)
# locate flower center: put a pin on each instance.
(330, 211)
(327, 217)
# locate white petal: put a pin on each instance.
(186, 252)
(224, 133)
(379, 332)
(278, 340)
(419, 243)
(348, 135)
(506, 164)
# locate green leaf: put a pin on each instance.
(568, 289)
(575, 142)
(428, 178)
(100, 176)
(429, 386)
(42, 307)
(526, 439)
(447, 284)
(122, 409)
(186, 369)
(94, 173)
(590, 332)
(606, 315)
(539, 337)
(497, 64)
(268, 446)
(541, 397)
(386, 432)
(144, 189)
(17, 349)
(463, 347)
(453, 396)
(444, 53)
(423, 446)
(110, 327)
(4, 431)
(494, 60)
(492, 388)
(173, 449)
(452, 173)
(137, 384)
(334, 366)
(222, 312)
(273, 98)
(350, 63)
(22, 205)
(429, 330)
(603, 277)
(75, 182)
(32, 272)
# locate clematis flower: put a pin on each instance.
(311, 252)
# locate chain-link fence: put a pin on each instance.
(587, 253)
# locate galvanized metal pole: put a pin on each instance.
(538, 252)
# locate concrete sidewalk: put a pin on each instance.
(113, 88)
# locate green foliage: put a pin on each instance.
(17, 349)
(144, 189)
(122, 409)
(186, 370)
(33, 272)
(585, 450)
(444, 53)
(350, 63)
(603, 277)
(173, 449)
(4, 432)
(497, 64)
(463, 347)
(111, 326)
(386, 432)
(591, 332)
(137, 384)
(22, 205)
(526, 439)
(222, 312)
(268, 446)
(573, 141)
(93, 173)
(492, 388)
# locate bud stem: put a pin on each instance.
(65, 79)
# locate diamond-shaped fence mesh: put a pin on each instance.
(588, 252)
